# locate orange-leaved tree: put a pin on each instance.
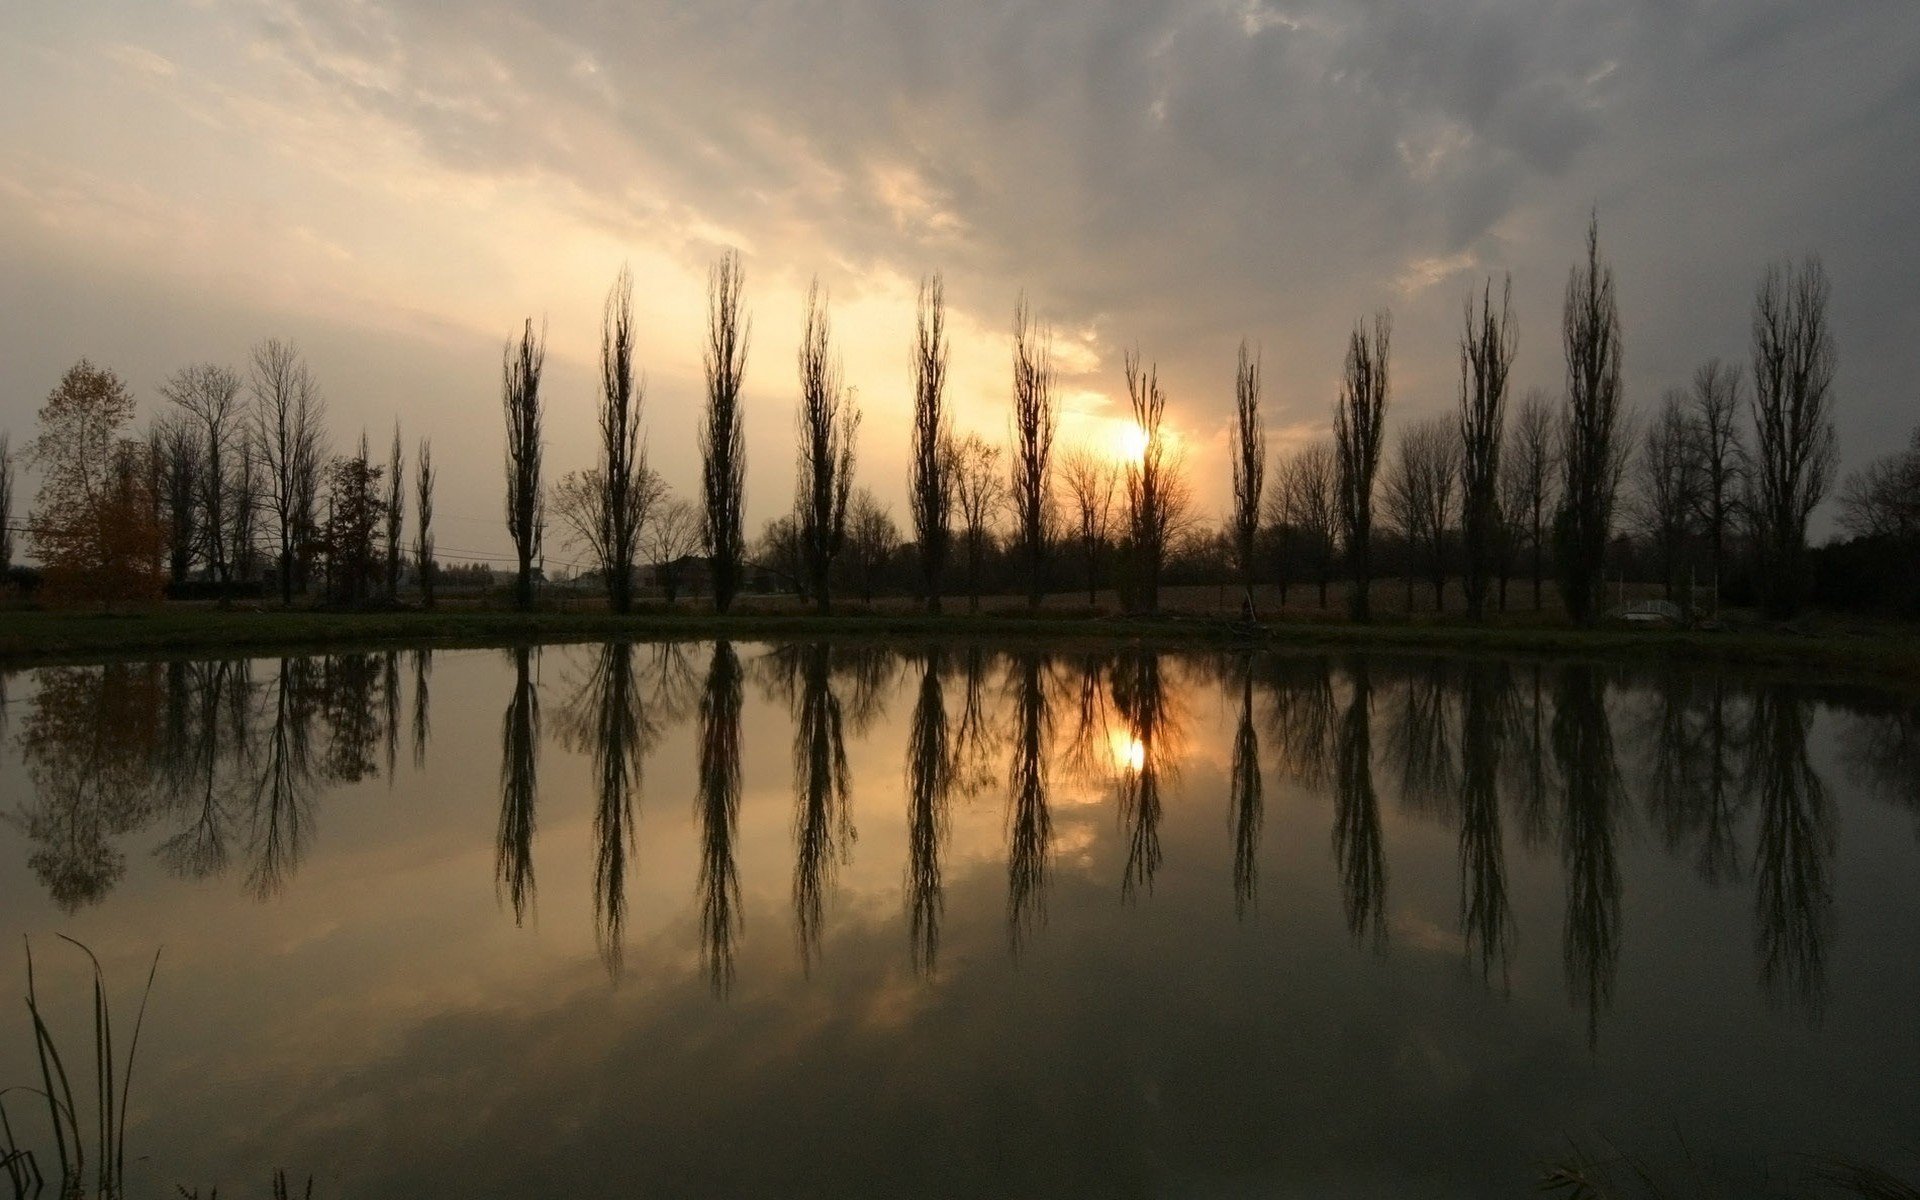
(94, 526)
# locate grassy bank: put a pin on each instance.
(1882, 652)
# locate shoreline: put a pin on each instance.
(1883, 654)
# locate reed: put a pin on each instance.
(112, 1085)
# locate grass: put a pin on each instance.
(1618, 1176)
(1882, 652)
(21, 1166)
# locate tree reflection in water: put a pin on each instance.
(1583, 754)
(1793, 852)
(608, 717)
(226, 760)
(519, 787)
(823, 820)
(1302, 716)
(422, 690)
(1029, 821)
(1356, 824)
(929, 781)
(284, 787)
(719, 812)
(1485, 918)
(1140, 696)
(88, 739)
(1245, 801)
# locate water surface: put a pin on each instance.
(838, 920)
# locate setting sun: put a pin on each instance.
(1129, 442)
(1129, 752)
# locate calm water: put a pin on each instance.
(797, 919)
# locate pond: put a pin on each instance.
(849, 920)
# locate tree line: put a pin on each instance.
(1719, 480)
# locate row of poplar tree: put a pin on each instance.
(236, 470)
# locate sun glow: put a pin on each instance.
(1129, 752)
(1129, 442)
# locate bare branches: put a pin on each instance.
(1359, 421)
(1591, 438)
(1794, 445)
(1487, 346)
(1532, 468)
(829, 419)
(1669, 480)
(669, 534)
(289, 425)
(872, 539)
(1420, 494)
(423, 509)
(1090, 480)
(6, 501)
(1719, 393)
(1304, 509)
(396, 512)
(620, 504)
(209, 398)
(1249, 464)
(1034, 423)
(723, 450)
(1882, 499)
(930, 467)
(979, 492)
(1157, 497)
(177, 460)
(521, 364)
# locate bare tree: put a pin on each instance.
(521, 364)
(1794, 446)
(176, 453)
(979, 492)
(1281, 537)
(1249, 466)
(778, 550)
(1719, 393)
(723, 447)
(1882, 499)
(1533, 467)
(1090, 480)
(620, 506)
(829, 419)
(1487, 347)
(872, 539)
(1591, 437)
(289, 420)
(930, 468)
(670, 533)
(1034, 424)
(1669, 485)
(1400, 498)
(579, 502)
(6, 501)
(245, 503)
(1311, 511)
(396, 513)
(1359, 421)
(423, 516)
(1157, 496)
(1510, 534)
(1420, 491)
(208, 396)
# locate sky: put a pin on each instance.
(395, 185)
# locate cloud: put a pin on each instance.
(1176, 174)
